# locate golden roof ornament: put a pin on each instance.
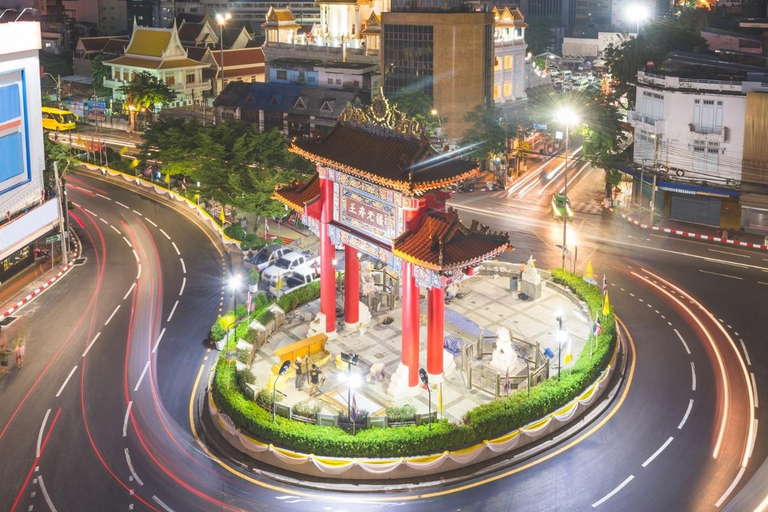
(380, 114)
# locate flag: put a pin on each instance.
(597, 329)
(124, 150)
(567, 253)
(80, 141)
(354, 409)
(590, 273)
(92, 147)
(605, 287)
(221, 216)
(184, 183)
(135, 163)
(606, 305)
(568, 354)
(440, 398)
(167, 179)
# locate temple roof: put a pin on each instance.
(442, 243)
(297, 195)
(378, 144)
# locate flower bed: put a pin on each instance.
(487, 421)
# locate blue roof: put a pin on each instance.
(270, 96)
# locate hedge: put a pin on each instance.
(487, 421)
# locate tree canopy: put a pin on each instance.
(99, 72)
(416, 105)
(144, 91)
(539, 35)
(235, 163)
(489, 131)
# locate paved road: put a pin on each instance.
(654, 452)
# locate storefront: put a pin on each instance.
(16, 262)
(754, 213)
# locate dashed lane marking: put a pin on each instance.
(685, 417)
(613, 492)
(657, 452)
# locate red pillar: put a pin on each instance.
(351, 286)
(327, 254)
(410, 346)
(435, 325)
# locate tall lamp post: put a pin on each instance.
(637, 13)
(280, 373)
(221, 19)
(351, 360)
(561, 336)
(567, 117)
(233, 284)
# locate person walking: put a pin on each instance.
(20, 352)
(297, 367)
(314, 380)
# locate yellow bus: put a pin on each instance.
(59, 120)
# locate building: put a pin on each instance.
(510, 50)
(560, 10)
(693, 131)
(328, 75)
(89, 47)
(240, 65)
(158, 51)
(447, 55)
(718, 39)
(27, 215)
(593, 13)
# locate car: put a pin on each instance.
(287, 262)
(561, 206)
(294, 280)
(268, 255)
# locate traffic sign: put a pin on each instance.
(51, 239)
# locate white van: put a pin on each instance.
(294, 280)
(567, 74)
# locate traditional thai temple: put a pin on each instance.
(380, 189)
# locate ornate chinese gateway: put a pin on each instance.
(380, 190)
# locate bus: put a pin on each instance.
(59, 120)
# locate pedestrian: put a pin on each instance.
(297, 367)
(20, 352)
(314, 380)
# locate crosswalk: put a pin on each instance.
(591, 208)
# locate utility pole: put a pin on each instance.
(640, 192)
(655, 174)
(60, 198)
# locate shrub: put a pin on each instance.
(234, 231)
(246, 377)
(296, 298)
(253, 276)
(401, 414)
(241, 310)
(217, 331)
(250, 336)
(244, 356)
(307, 410)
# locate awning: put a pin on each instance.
(756, 201)
(695, 190)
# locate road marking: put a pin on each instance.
(116, 230)
(693, 376)
(613, 492)
(158, 340)
(173, 310)
(103, 197)
(657, 311)
(760, 282)
(135, 255)
(90, 212)
(65, 381)
(139, 273)
(130, 467)
(102, 219)
(687, 412)
(183, 284)
(721, 275)
(175, 247)
(91, 343)
(641, 300)
(112, 315)
(143, 373)
(754, 386)
(166, 507)
(183, 266)
(125, 421)
(166, 234)
(731, 253)
(656, 454)
(40, 434)
(121, 204)
(631, 294)
(150, 221)
(651, 307)
(129, 291)
(126, 241)
(746, 354)
(137, 213)
(730, 489)
(45, 494)
(684, 343)
(752, 441)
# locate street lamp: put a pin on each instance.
(233, 284)
(567, 117)
(350, 359)
(637, 13)
(57, 81)
(221, 19)
(562, 337)
(425, 380)
(280, 372)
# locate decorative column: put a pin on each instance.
(327, 254)
(435, 332)
(410, 325)
(351, 288)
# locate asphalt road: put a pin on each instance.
(123, 350)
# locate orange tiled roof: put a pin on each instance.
(404, 163)
(442, 243)
(297, 195)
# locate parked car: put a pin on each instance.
(268, 255)
(288, 262)
(294, 280)
(561, 206)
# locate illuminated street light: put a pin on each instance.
(222, 19)
(567, 117)
(637, 13)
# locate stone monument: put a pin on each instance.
(531, 280)
(504, 358)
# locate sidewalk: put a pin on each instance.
(709, 233)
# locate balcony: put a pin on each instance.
(707, 133)
(646, 123)
(698, 84)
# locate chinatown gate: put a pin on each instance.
(380, 190)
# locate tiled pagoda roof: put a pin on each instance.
(297, 195)
(442, 243)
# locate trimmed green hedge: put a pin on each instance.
(484, 422)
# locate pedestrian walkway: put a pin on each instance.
(486, 304)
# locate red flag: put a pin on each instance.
(354, 409)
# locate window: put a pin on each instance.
(330, 81)
(507, 89)
(507, 62)
(496, 64)
(170, 80)
(496, 92)
(191, 78)
(408, 57)
(310, 79)
(327, 106)
(338, 81)
(301, 103)
(282, 74)
(356, 83)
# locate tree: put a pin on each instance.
(54, 152)
(489, 132)
(539, 35)
(143, 92)
(416, 105)
(99, 72)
